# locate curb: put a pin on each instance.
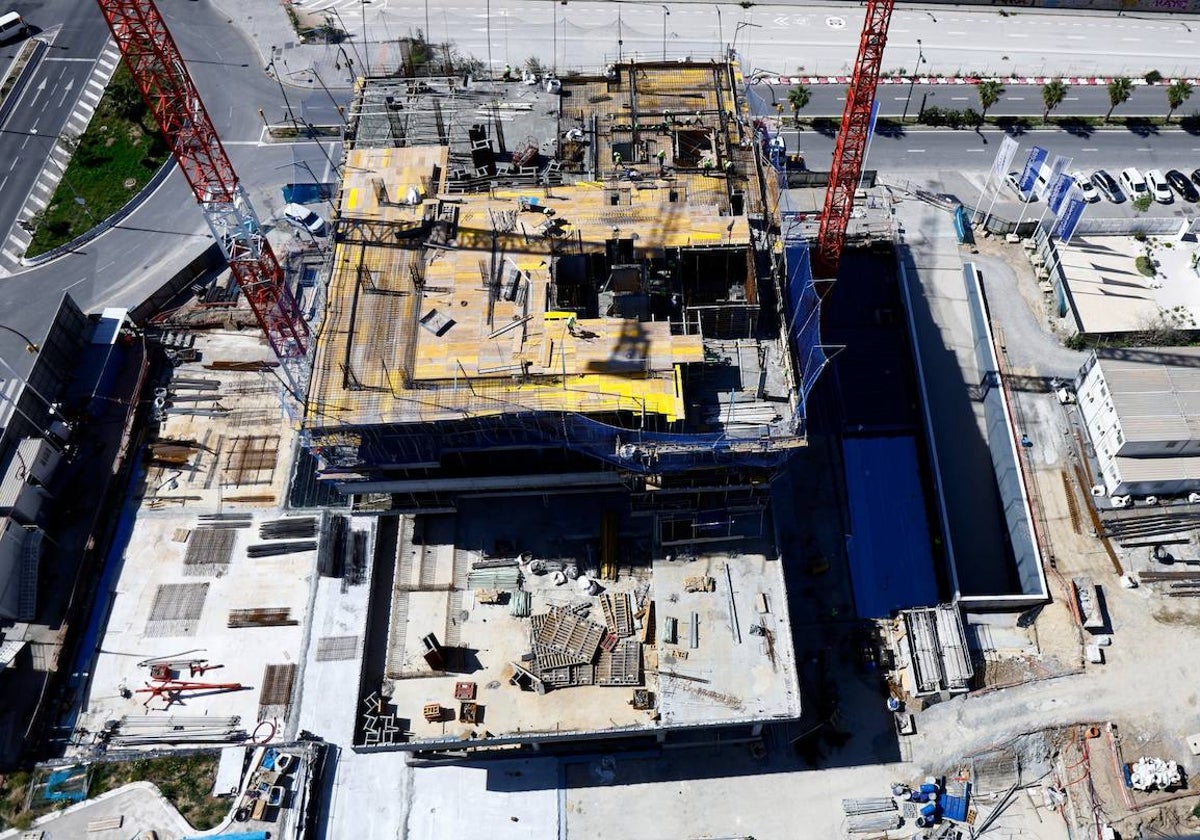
(28, 70)
(59, 157)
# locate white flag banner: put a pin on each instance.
(1004, 158)
(1058, 166)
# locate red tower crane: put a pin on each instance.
(851, 148)
(158, 70)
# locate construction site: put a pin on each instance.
(590, 273)
(532, 459)
(563, 300)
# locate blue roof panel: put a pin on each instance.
(891, 559)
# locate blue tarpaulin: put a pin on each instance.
(891, 558)
(955, 807)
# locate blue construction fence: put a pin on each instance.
(803, 311)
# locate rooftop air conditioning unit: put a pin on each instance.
(1151, 500)
(1121, 501)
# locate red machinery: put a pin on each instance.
(157, 67)
(172, 689)
(851, 148)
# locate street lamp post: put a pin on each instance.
(270, 68)
(31, 347)
(366, 43)
(720, 30)
(666, 14)
(346, 29)
(912, 83)
(742, 25)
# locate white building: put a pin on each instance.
(1141, 408)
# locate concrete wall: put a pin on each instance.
(1001, 441)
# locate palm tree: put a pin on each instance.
(1119, 91)
(798, 97)
(990, 92)
(1177, 93)
(1053, 93)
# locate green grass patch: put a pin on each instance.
(1144, 266)
(117, 155)
(185, 780)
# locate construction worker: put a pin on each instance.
(507, 73)
(728, 167)
(616, 158)
(661, 154)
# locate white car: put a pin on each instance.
(1014, 183)
(1086, 188)
(1134, 183)
(300, 215)
(1156, 181)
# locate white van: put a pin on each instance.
(12, 25)
(1134, 183)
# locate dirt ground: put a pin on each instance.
(1146, 685)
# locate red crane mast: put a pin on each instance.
(158, 70)
(851, 148)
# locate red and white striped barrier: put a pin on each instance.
(1069, 81)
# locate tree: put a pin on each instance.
(990, 92)
(798, 97)
(1177, 93)
(1053, 93)
(1119, 91)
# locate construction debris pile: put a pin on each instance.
(568, 648)
(1148, 774)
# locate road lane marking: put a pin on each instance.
(1089, 150)
(916, 151)
(1015, 98)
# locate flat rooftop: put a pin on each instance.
(503, 625)
(1109, 295)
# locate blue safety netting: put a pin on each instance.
(804, 316)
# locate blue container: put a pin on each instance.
(929, 811)
(918, 796)
(929, 788)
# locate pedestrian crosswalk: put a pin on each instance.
(12, 252)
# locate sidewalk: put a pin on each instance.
(336, 66)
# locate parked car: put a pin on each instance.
(1108, 185)
(1014, 183)
(305, 218)
(1085, 187)
(12, 26)
(1134, 183)
(1196, 177)
(1182, 185)
(1158, 186)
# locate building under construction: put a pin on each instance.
(588, 274)
(558, 338)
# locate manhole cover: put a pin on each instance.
(835, 22)
(130, 183)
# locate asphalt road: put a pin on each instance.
(971, 151)
(1017, 101)
(786, 38)
(126, 264)
(76, 34)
